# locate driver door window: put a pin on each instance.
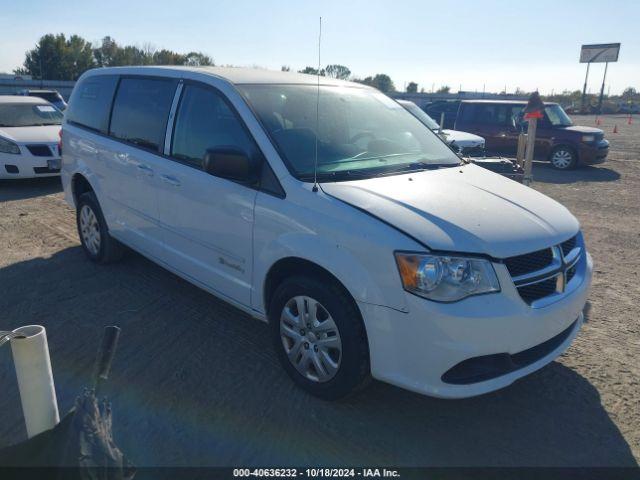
(204, 120)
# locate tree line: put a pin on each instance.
(381, 81)
(56, 57)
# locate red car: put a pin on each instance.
(558, 140)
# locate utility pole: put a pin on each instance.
(584, 90)
(606, 65)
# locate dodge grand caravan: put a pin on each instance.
(334, 215)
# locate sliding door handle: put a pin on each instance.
(145, 169)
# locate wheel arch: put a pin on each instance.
(79, 185)
(290, 266)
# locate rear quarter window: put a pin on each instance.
(90, 102)
(141, 110)
(492, 114)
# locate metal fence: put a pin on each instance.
(11, 86)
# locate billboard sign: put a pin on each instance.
(599, 53)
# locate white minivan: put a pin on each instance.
(333, 214)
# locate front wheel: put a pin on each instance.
(563, 158)
(96, 242)
(319, 337)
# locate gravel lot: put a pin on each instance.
(195, 381)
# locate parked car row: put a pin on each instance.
(500, 122)
(468, 145)
(366, 243)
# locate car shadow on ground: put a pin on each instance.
(21, 189)
(543, 172)
(196, 382)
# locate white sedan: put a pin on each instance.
(29, 137)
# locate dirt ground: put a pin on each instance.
(195, 381)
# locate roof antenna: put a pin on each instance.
(315, 163)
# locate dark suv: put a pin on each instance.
(557, 139)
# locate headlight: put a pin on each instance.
(588, 138)
(446, 278)
(7, 146)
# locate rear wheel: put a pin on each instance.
(319, 337)
(96, 242)
(563, 158)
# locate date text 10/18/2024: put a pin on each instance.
(316, 473)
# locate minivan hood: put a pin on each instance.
(42, 134)
(462, 209)
(581, 129)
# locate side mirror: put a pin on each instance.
(231, 163)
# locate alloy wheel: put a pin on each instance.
(562, 159)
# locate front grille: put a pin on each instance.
(536, 291)
(542, 273)
(477, 151)
(571, 273)
(529, 262)
(568, 245)
(39, 150)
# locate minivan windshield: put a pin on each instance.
(29, 115)
(358, 132)
(557, 116)
(420, 115)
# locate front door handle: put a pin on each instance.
(145, 169)
(170, 180)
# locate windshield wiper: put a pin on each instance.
(420, 166)
(368, 173)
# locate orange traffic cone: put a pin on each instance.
(615, 129)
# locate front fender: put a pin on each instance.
(354, 247)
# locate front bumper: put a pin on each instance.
(590, 154)
(414, 350)
(27, 165)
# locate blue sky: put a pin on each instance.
(475, 45)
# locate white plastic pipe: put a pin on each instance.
(35, 379)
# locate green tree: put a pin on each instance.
(131, 55)
(338, 71)
(57, 58)
(412, 87)
(629, 93)
(106, 53)
(381, 81)
(198, 59)
(285, 68)
(167, 57)
(444, 89)
(311, 71)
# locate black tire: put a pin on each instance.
(110, 250)
(563, 157)
(353, 372)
